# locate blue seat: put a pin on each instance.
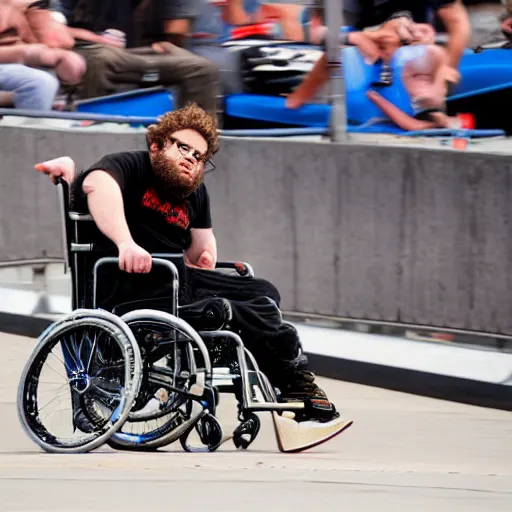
(272, 109)
(358, 79)
(484, 72)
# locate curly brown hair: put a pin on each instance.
(190, 117)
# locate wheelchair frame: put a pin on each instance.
(206, 383)
(73, 247)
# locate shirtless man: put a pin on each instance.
(452, 14)
(374, 45)
(425, 77)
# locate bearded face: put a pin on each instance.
(174, 178)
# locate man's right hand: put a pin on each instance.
(133, 258)
(63, 167)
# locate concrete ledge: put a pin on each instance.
(455, 389)
(22, 325)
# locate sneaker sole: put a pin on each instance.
(294, 437)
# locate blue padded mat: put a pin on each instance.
(152, 102)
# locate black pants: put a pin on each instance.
(275, 344)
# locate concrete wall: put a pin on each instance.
(381, 233)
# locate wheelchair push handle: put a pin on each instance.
(110, 260)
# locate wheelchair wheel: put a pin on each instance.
(175, 358)
(80, 382)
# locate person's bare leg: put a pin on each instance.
(398, 116)
(63, 167)
(68, 65)
(233, 13)
(176, 31)
(288, 16)
(314, 80)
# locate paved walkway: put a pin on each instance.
(403, 453)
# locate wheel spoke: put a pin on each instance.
(98, 388)
(54, 398)
(93, 350)
(81, 409)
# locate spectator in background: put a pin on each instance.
(221, 20)
(27, 37)
(380, 44)
(290, 19)
(506, 26)
(28, 88)
(485, 17)
(424, 78)
(208, 31)
(452, 13)
(129, 41)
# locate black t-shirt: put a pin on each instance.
(140, 26)
(374, 12)
(420, 10)
(156, 223)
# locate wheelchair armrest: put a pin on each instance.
(80, 216)
(243, 269)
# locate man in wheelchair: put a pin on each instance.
(155, 201)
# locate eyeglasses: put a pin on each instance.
(186, 150)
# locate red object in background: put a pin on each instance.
(467, 121)
(258, 29)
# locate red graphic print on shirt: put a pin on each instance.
(173, 214)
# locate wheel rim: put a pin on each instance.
(77, 354)
(167, 420)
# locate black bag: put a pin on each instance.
(273, 68)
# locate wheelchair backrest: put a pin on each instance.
(70, 224)
(86, 249)
(63, 193)
(79, 233)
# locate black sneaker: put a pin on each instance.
(302, 388)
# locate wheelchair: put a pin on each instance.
(140, 378)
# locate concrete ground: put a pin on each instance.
(403, 453)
